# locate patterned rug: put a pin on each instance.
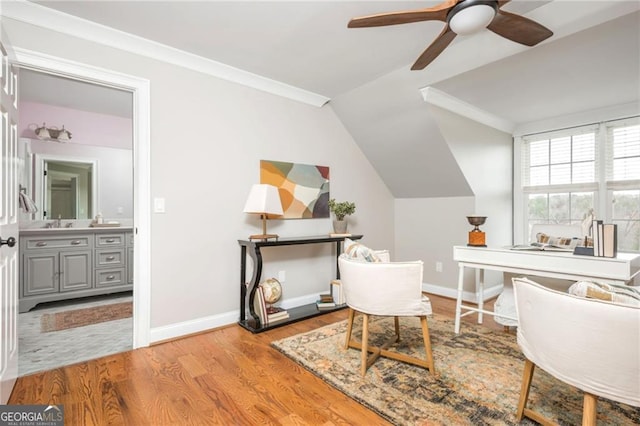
(477, 382)
(86, 316)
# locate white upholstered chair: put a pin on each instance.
(505, 304)
(384, 289)
(590, 344)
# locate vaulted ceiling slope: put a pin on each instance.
(591, 69)
(592, 61)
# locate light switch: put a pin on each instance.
(158, 205)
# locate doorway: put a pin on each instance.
(139, 90)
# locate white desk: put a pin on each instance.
(619, 270)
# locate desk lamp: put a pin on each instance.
(263, 200)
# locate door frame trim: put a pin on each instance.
(140, 89)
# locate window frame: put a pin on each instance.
(602, 188)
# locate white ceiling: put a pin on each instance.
(591, 61)
(64, 92)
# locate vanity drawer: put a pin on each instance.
(109, 257)
(110, 240)
(45, 243)
(110, 277)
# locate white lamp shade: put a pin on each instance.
(263, 199)
(472, 19)
(42, 133)
(64, 135)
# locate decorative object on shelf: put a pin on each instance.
(303, 188)
(476, 236)
(51, 133)
(341, 210)
(268, 293)
(272, 290)
(605, 239)
(325, 301)
(263, 200)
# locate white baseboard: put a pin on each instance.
(180, 329)
(467, 296)
(174, 331)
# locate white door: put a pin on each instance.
(9, 258)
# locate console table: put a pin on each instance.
(617, 270)
(252, 248)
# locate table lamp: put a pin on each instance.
(263, 200)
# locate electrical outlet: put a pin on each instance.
(438, 266)
(282, 276)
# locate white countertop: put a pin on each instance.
(72, 230)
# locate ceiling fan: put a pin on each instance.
(462, 17)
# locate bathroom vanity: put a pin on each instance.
(68, 263)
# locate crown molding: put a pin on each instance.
(35, 14)
(451, 103)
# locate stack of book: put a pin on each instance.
(605, 239)
(326, 302)
(267, 314)
(275, 313)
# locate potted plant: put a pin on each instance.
(341, 210)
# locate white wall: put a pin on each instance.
(207, 138)
(427, 229)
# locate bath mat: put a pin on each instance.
(85, 316)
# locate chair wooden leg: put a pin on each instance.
(589, 412)
(365, 344)
(352, 314)
(427, 344)
(396, 323)
(527, 375)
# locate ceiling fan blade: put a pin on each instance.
(436, 13)
(434, 49)
(519, 29)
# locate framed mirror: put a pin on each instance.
(66, 187)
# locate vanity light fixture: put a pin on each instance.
(263, 200)
(52, 133)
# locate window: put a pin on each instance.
(566, 174)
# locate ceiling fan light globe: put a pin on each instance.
(472, 19)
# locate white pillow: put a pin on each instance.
(625, 295)
(358, 251)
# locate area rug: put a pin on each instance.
(85, 316)
(477, 381)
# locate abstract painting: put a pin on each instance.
(303, 188)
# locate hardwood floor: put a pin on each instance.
(226, 376)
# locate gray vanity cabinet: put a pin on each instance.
(110, 260)
(75, 270)
(40, 273)
(61, 265)
(54, 264)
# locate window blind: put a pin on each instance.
(563, 157)
(623, 150)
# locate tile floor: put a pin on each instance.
(45, 351)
